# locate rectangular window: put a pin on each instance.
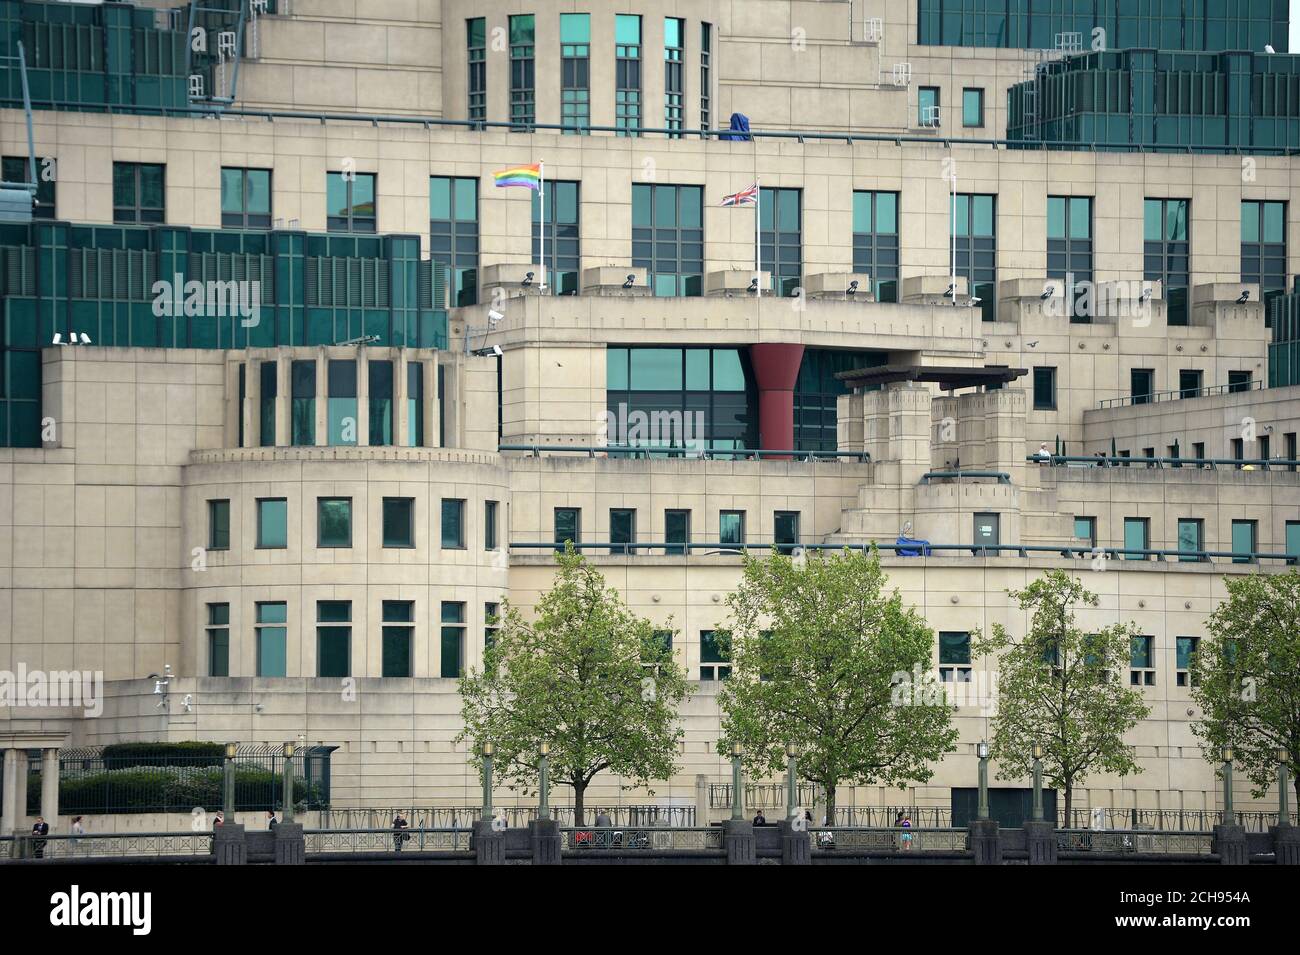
(1190, 382)
(975, 235)
(1263, 250)
(1085, 529)
(677, 531)
(491, 624)
(972, 107)
(627, 73)
(714, 650)
(415, 404)
(1186, 652)
(476, 85)
(333, 522)
(1070, 250)
(398, 637)
(399, 521)
(17, 169)
(781, 238)
(342, 402)
(1137, 536)
(1190, 538)
(454, 235)
(575, 81)
(523, 107)
(987, 534)
(453, 640)
(272, 635)
(562, 232)
(568, 526)
(333, 638)
(453, 524)
(668, 237)
(706, 81)
(1044, 389)
(303, 410)
(875, 241)
(927, 106)
(1238, 451)
(272, 523)
(731, 527)
(1142, 385)
(380, 375)
(219, 525)
(1293, 542)
(491, 536)
(350, 201)
(1142, 664)
(1238, 381)
(243, 395)
(708, 390)
(245, 198)
(139, 192)
(674, 78)
(1289, 449)
(785, 531)
(1243, 541)
(218, 639)
(268, 372)
(1167, 252)
(954, 656)
(622, 530)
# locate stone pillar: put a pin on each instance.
(363, 399)
(701, 800)
(1286, 844)
(985, 841)
(9, 818)
(290, 844)
(401, 417)
(897, 431)
(1230, 844)
(489, 845)
(796, 846)
(322, 397)
(544, 835)
(50, 786)
(738, 840)
(1040, 840)
(776, 369)
(284, 402)
(228, 844)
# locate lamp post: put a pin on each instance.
(487, 750)
(228, 781)
(544, 782)
(791, 779)
(982, 750)
(1229, 817)
(287, 799)
(1283, 810)
(737, 784)
(1038, 782)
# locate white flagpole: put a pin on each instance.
(758, 237)
(541, 192)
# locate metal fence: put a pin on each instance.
(389, 840)
(863, 839)
(649, 839)
(762, 795)
(108, 845)
(1135, 841)
(517, 817)
(1165, 820)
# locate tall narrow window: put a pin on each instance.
(785, 530)
(1190, 537)
(975, 237)
(334, 638)
(246, 198)
(1069, 251)
(523, 96)
(954, 656)
(1044, 389)
(333, 522)
(270, 385)
(139, 192)
(972, 107)
(415, 404)
(476, 47)
(622, 530)
(219, 525)
(731, 528)
(243, 396)
(1263, 250)
(1142, 662)
(677, 531)
(715, 655)
(381, 402)
(453, 524)
(563, 250)
(272, 635)
(1244, 539)
(1142, 385)
(17, 169)
(781, 238)
(927, 106)
(674, 74)
(218, 639)
(668, 237)
(706, 81)
(452, 664)
(627, 73)
(342, 402)
(575, 81)
(303, 412)
(1137, 537)
(272, 523)
(399, 521)
(1085, 529)
(1167, 252)
(350, 201)
(491, 534)
(453, 234)
(1185, 662)
(568, 526)
(875, 241)
(398, 637)
(491, 623)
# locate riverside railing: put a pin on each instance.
(1125, 461)
(638, 451)
(649, 838)
(410, 839)
(1182, 394)
(141, 845)
(893, 839)
(1146, 841)
(517, 817)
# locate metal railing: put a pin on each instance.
(1165, 820)
(637, 451)
(1255, 384)
(762, 795)
(410, 839)
(861, 839)
(1150, 841)
(108, 845)
(650, 838)
(517, 817)
(1125, 461)
(1002, 477)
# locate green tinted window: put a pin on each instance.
(453, 523)
(1135, 536)
(272, 522)
(575, 28)
(218, 525)
(399, 522)
(1056, 217)
(334, 521)
(954, 648)
(521, 30)
(627, 29)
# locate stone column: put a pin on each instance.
(50, 786)
(1230, 844)
(796, 845)
(251, 409)
(9, 818)
(985, 841)
(544, 836)
(363, 399)
(322, 397)
(738, 840)
(1286, 844)
(401, 419)
(1040, 841)
(776, 369)
(284, 402)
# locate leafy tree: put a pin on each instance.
(586, 676)
(817, 649)
(1061, 687)
(1246, 677)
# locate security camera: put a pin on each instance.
(975, 300)
(631, 280)
(527, 280)
(852, 289)
(753, 284)
(1048, 292)
(1245, 294)
(950, 289)
(494, 316)
(494, 351)
(1145, 296)
(1268, 48)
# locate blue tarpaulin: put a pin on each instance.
(912, 547)
(739, 124)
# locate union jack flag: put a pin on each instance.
(746, 197)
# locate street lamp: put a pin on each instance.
(543, 782)
(982, 751)
(287, 800)
(1229, 817)
(791, 779)
(737, 784)
(1037, 753)
(1283, 810)
(228, 780)
(487, 750)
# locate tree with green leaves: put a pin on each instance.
(1246, 678)
(818, 648)
(586, 676)
(1060, 687)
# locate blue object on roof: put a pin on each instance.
(739, 124)
(916, 548)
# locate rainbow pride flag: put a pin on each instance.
(527, 176)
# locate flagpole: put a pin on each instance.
(541, 190)
(758, 238)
